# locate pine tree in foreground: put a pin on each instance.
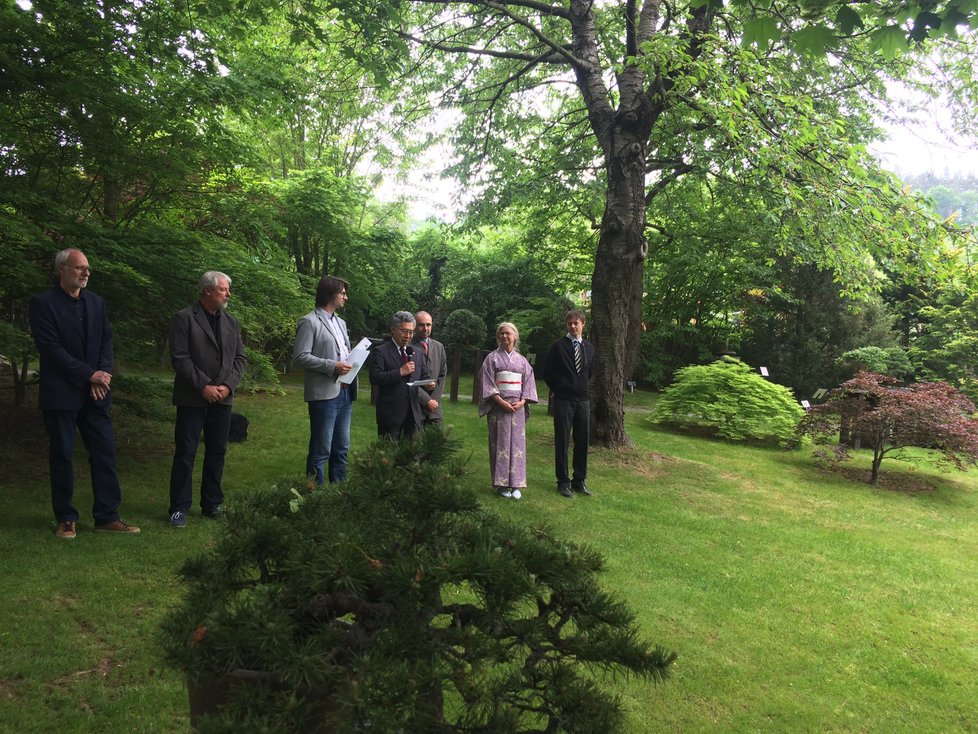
(395, 603)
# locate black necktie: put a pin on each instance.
(578, 360)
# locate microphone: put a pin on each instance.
(409, 351)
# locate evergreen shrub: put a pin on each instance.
(889, 361)
(420, 610)
(729, 399)
(463, 328)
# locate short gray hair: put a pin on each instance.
(401, 317)
(62, 257)
(209, 280)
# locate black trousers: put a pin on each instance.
(215, 422)
(572, 419)
(95, 426)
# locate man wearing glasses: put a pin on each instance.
(74, 339)
(393, 365)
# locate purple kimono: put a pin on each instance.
(510, 376)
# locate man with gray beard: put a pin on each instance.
(208, 360)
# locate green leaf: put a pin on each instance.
(760, 32)
(813, 40)
(889, 41)
(848, 20)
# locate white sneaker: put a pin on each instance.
(506, 493)
(516, 494)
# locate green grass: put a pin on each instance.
(798, 601)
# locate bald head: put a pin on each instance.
(422, 324)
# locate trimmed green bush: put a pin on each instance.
(395, 603)
(463, 328)
(889, 361)
(729, 399)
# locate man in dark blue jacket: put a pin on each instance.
(567, 372)
(74, 340)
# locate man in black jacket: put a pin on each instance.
(208, 360)
(567, 372)
(74, 340)
(393, 365)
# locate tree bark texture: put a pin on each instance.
(616, 283)
(616, 288)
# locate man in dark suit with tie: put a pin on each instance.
(74, 339)
(567, 372)
(393, 365)
(208, 361)
(434, 352)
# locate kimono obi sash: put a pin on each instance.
(509, 382)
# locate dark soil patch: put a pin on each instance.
(889, 481)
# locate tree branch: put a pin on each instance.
(551, 57)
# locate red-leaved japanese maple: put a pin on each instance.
(889, 417)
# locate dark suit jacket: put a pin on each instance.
(560, 374)
(69, 356)
(196, 359)
(438, 369)
(395, 400)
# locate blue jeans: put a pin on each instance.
(329, 436)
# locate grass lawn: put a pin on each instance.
(798, 601)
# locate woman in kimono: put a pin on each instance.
(506, 389)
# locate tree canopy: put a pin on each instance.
(695, 175)
(619, 102)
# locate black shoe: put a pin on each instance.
(216, 513)
(564, 489)
(582, 488)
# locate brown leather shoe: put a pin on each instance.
(116, 526)
(66, 530)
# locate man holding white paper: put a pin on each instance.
(322, 350)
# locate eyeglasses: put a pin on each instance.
(81, 268)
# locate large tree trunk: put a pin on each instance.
(616, 287)
(616, 284)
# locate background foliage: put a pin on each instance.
(170, 138)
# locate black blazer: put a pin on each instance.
(69, 355)
(395, 400)
(560, 374)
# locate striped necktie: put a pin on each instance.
(578, 359)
